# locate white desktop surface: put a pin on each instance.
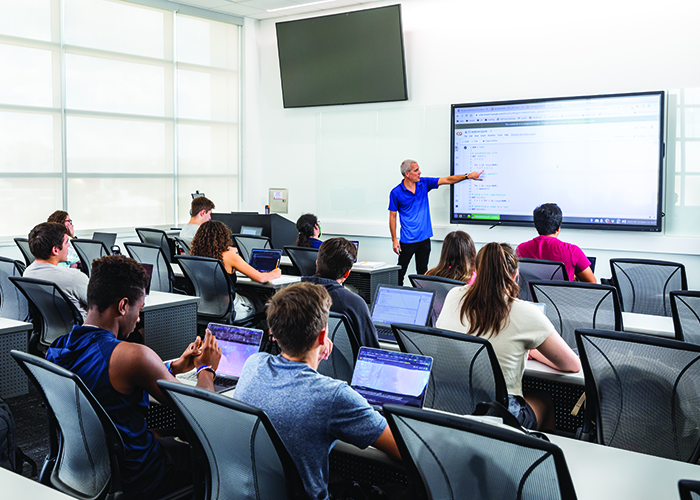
(177, 270)
(16, 486)
(385, 267)
(281, 281)
(162, 300)
(646, 323)
(540, 370)
(12, 326)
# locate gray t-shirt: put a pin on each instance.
(310, 413)
(187, 233)
(73, 282)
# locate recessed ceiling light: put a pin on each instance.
(300, 5)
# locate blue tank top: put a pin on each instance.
(86, 351)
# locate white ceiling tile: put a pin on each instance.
(241, 10)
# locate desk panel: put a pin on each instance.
(13, 335)
(365, 281)
(170, 323)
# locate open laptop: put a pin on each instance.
(251, 230)
(357, 247)
(107, 238)
(400, 304)
(237, 345)
(265, 260)
(391, 377)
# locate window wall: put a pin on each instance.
(115, 112)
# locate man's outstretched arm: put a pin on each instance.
(453, 179)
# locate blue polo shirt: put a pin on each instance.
(413, 209)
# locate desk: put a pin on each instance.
(170, 323)
(13, 335)
(366, 281)
(646, 323)
(16, 486)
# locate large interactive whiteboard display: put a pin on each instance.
(600, 158)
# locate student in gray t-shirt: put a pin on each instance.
(48, 242)
(309, 411)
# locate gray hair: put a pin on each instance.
(406, 166)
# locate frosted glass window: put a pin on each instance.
(30, 142)
(33, 200)
(114, 86)
(679, 159)
(97, 145)
(692, 156)
(223, 191)
(691, 96)
(207, 96)
(26, 18)
(677, 191)
(208, 149)
(207, 43)
(115, 26)
(103, 203)
(692, 191)
(692, 122)
(26, 76)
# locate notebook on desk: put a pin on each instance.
(391, 377)
(400, 304)
(237, 345)
(265, 260)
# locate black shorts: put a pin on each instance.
(522, 411)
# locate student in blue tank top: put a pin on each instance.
(121, 375)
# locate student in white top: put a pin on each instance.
(200, 212)
(490, 308)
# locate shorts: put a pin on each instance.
(522, 411)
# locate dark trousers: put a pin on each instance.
(422, 253)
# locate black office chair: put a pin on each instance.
(303, 258)
(13, 304)
(465, 368)
(247, 242)
(89, 250)
(688, 489)
(570, 305)
(162, 278)
(159, 238)
(441, 287)
(448, 457)
(183, 245)
(642, 392)
(644, 285)
(239, 453)
(538, 269)
(52, 312)
(23, 245)
(215, 289)
(685, 307)
(341, 363)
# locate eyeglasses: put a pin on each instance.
(69, 221)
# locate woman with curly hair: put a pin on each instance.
(213, 239)
(62, 217)
(309, 231)
(457, 258)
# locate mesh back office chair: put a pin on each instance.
(162, 278)
(215, 289)
(689, 490)
(449, 457)
(570, 305)
(643, 392)
(247, 242)
(341, 363)
(183, 245)
(685, 306)
(465, 368)
(538, 269)
(52, 312)
(89, 250)
(159, 238)
(303, 258)
(441, 287)
(23, 245)
(241, 454)
(13, 304)
(644, 285)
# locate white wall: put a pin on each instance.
(465, 51)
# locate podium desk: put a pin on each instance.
(365, 281)
(169, 323)
(13, 335)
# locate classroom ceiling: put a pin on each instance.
(258, 9)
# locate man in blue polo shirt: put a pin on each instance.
(410, 200)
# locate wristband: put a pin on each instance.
(206, 368)
(466, 176)
(169, 366)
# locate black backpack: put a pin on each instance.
(11, 457)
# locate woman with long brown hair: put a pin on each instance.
(213, 239)
(457, 258)
(62, 217)
(490, 308)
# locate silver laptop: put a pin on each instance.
(400, 304)
(391, 377)
(107, 238)
(251, 230)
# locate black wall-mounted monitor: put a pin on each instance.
(600, 158)
(349, 58)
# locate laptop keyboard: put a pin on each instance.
(385, 333)
(225, 382)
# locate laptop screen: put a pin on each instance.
(251, 230)
(391, 377)
(265, 260)
(107, 238)
(237, 345)
(402, 305)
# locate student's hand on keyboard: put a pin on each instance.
(210, 352)
(185, 362)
